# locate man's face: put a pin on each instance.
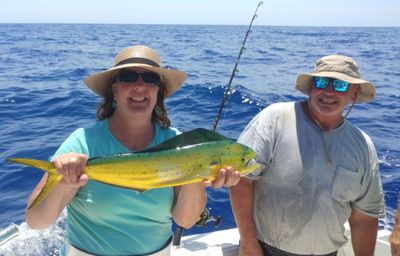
(330, 103)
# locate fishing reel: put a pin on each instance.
(205, 218)
(201, 222)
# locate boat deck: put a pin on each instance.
(226, 243)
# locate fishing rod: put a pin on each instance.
(205, 216)
(228, 90)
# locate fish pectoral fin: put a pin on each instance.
(51, 181)
(213, 171)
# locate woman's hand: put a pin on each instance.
(71, 166)
(227, 177)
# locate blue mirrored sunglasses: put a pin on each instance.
(131, 76)
(338, 85)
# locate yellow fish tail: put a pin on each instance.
(39, 164)
(46, 166)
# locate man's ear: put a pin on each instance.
(356, 90)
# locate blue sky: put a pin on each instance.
(273, 12)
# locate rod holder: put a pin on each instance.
(8, 233)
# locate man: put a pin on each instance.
(318, 170)
(395, 236)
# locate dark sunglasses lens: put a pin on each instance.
(128, 76)
(340, 86)
(151, 78)
(321, 82)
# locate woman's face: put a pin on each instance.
(135, 95)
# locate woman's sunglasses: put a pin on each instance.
(338, 85)
(131, 76)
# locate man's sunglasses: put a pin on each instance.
(131, 76)
(338, 85)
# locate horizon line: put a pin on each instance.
(194, 24)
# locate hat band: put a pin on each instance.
(338, 69)
(137, 61)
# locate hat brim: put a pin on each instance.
(304, 84)
(172, 79)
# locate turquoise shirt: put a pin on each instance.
(109, 220)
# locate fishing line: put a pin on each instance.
(228, 89)
(205, 215)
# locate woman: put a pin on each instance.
(107, 220)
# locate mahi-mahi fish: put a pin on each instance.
(190, 157)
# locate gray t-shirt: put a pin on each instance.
(301, 201)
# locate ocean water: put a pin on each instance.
(43, 98)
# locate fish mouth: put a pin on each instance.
(251, 162)
(247, 163)
(250, 166)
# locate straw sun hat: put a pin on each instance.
(137, 56)
(339, 67)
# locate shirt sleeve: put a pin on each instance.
(75, 143)
(371, 201)
(259, 135)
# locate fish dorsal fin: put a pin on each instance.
(193, 137)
